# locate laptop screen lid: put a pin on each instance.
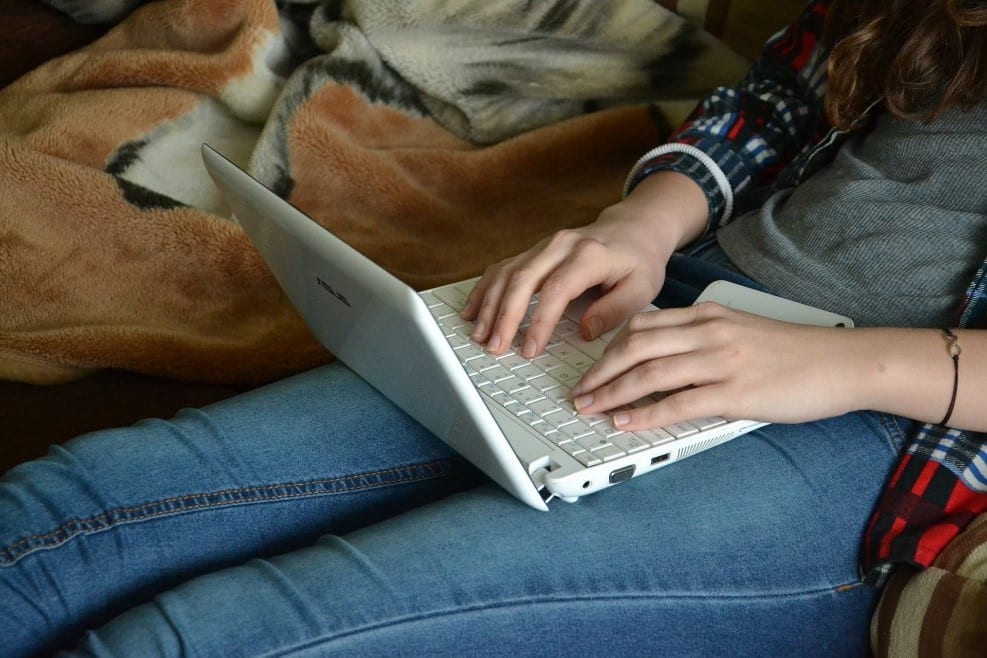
(373, 322)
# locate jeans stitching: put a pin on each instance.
(893, 430)
(124, 515)
(398, 620)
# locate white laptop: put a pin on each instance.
(510, 416)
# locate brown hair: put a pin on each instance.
(920, 57)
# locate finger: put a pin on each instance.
(634, 346)
(654, 376)
(510, 292)
(677, 317)
(586, 267)
(678, 407)
(628, 297)
(488, 300)
(479, 293)
(518, 289)
(631, 346)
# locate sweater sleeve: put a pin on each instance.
(739, 138)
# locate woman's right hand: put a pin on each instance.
(624, 252)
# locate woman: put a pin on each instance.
(311, 517)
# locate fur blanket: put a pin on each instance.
(434, 136)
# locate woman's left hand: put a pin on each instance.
(709, 360)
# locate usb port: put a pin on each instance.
(660, 458)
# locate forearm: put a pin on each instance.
(671, 208)
(909, 372)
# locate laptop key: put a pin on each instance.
(429, 299)
(565, 327)
(458, 341)
(680, 430)
(571, 357)
(507, 384)
(543, 406)
(526, 395)
(588, 458)
(528, 372)
(655, 437)
(498, 373)
(572, 448)
(558, 394)
(706, 423)
(512, 361)
(466, 351)
(547, 362)
(482, 361)
(576, 430)
(441, 312)
(452, 296)
(591, 348)
(594, 442)
(608, 453)
(558, 417)
(630, 443)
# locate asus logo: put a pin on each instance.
(329, 289)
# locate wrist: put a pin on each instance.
(673, 208)
(906, 372)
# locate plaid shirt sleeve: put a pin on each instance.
(738, 139)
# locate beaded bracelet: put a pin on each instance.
(954, 354)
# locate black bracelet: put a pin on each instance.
(954, 354)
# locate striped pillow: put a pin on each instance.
(941, 611)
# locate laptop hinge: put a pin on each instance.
(538, 477)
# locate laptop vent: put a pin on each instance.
(703, 445)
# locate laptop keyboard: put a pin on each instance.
(536, 391)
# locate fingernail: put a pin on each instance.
(583, 401)
(621, 419)
(494, 343)
(478, 329)
(595, 326)
(529, 348)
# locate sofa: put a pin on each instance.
(939, 611)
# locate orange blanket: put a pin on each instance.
(435, 143)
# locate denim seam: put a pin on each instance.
(894, 431)
(536, 601)
(231, 497)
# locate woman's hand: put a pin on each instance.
(709, 360)
(561, 268)
(624, 252)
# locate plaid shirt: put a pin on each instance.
(767, 134)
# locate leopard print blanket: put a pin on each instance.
(434, 136)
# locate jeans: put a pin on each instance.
(311, 517)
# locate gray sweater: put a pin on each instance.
(890, 233)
